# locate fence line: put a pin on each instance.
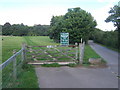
(3, 65)
(11, 68)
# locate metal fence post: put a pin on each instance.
(14, 66)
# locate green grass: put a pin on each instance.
(9, 44)
(90, 53)
(28, 78)
(40, 40)
(25, 79)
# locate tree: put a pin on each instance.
(6, 29)
(24, 30)
(77, 22)
(114, 16)
(56, 27)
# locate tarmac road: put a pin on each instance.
(79, 77)
(67, 77)
(109, 55)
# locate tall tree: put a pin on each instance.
(114, 16)
(77, 22)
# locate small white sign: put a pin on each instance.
(49, 46)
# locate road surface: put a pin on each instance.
(79, 77)
(109, 55)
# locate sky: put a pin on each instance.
(31, 12)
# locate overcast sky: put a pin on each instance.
(30, 12)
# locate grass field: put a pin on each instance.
(28, 78)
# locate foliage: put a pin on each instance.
(77, 22)
(107, 38)
(24, 30)
(114, 16)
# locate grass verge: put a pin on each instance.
(28, 78)
(90, 53)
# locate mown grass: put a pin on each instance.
(40, 40)
(9, 44)
(27, 78)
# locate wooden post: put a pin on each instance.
(81, 40)
(76, 55)
(81, 52)
(22, 55)
(14, 66)
(23, 52)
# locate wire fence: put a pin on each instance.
(12, 68)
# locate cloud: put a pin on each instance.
(100, 15)
(41, 11)
(31, 16)
(108, 1)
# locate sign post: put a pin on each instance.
(64, 38)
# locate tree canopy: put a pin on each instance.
(77, 22)
(24, 30)
(114, 16)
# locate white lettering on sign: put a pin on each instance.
(64, 38)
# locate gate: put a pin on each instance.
(53, 54)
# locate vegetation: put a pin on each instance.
(27, 74)
(24, 30)
(114, 16)
(90, 53)
(27, 78)
(77, 22)
(9, 44)
(107, 38)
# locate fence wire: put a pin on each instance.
(8, 80)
